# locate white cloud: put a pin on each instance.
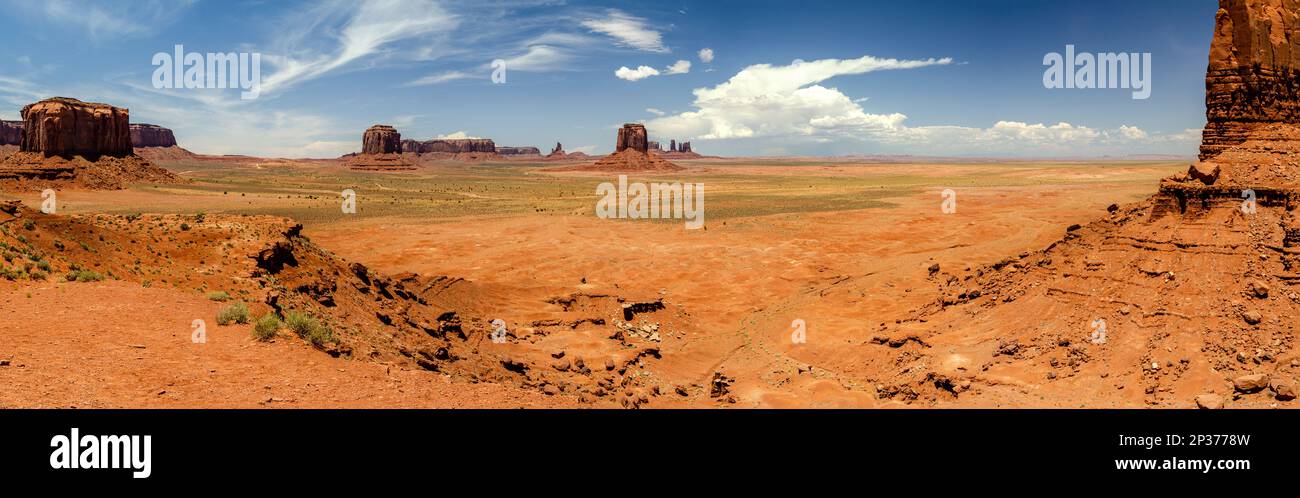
(787, 106)
(706, 55)
(460, 135)
(367, 28)
(654, 111)
(120, 19)
(679, 67)
(585, 149)
(629, 30)
(636, 74)
(443, 77)
(767, 100)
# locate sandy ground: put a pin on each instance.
(741, 285)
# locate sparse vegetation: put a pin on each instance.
(84, 276)
(218, 296)
(234, 313)
(266, 327)
(309, 328)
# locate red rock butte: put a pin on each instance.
(381, 139)
(68, 127)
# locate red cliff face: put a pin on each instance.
(381, 139)
(147, 135)
(69, 127)
(11, 132)
(450, 145)
(1253, 79)
(632, 136)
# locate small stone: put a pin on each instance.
(1259, 289)
(1283, 390)
(1051, 375)
(1209, 402)
(550, 390)
(1252, 317)
(609, 364)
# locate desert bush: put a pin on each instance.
(266, 327)
(84, 276)
(218, 296)
(235, 313)
(309, 328)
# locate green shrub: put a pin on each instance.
(84, 276)
(37, 275)
(266, 327)
(309, 328)
(29, 225)
(219, 296)
(235, 313)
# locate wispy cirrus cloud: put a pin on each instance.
(366, 29)
(102, 20)
(629, 30)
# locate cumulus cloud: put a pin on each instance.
(706, 55)
(629, 30)
(639, 73)
(679, 67)
(767, 100)
(654, 111)
(460, 135)
(788, 102)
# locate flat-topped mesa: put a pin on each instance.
(516, 151)
(1252, 85)
(632, 136)
(450, 146)
(11, 132)
(381, 139)
(68, 127)
(147, 135)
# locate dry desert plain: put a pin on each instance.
(848, 248)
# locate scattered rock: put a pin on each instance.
(1250, 383)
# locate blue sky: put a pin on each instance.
(957, 78)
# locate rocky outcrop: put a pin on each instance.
(1253, 81)
(450, 146)
(516, 151)
(11, 132)
(381, 139)
(147, 135)
(632, 136)
(557, 152)
(631, 154)
(654, 146)
(68, 127)
(685, 147)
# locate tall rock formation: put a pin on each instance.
(381, 139)
(147, 135)
(1253, 81)
(69, 127)
(11, 132)
(672, 145)
(632, 136)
